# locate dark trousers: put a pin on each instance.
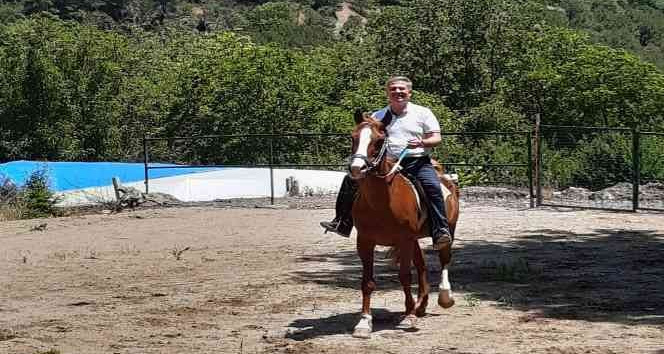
(419, 168)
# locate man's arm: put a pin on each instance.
(429, 140)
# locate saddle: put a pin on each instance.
(448, 182)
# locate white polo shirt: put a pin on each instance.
(413, 123)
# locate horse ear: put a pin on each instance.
(358, 116)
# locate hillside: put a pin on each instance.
(635, 25)
(86, 80)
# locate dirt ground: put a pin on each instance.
(261, 280)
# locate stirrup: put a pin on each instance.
(444, 240)
(330, 226)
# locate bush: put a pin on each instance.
(38, 198)
(34, 200)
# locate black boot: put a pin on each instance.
(339, 227)
(342, 223)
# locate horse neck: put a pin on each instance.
(377, 189)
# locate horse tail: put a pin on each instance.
(394, 255)
(451, 183)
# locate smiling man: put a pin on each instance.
(408, 126)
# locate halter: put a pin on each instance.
(371, 165)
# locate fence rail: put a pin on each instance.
(334, 153)
(547, 161)
(616, 162)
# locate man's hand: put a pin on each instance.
(429, 140)
(415, 143)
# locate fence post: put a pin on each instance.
(145, 161)
(271, 168)
(636, 167)
(530, 170)
(538, 158)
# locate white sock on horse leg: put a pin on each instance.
(444, 280)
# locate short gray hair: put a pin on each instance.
(394, 79)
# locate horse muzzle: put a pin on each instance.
(358, 168)
(358, 174)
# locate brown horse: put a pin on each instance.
(386, 213)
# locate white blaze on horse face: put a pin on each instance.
(362, 149)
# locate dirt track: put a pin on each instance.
(268, 281)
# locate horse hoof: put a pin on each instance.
(408, 323)
(421, 311)
(362, 333)
(445, 299)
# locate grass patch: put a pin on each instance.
(472, 300)
(510, 270)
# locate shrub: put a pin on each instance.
(38, 199)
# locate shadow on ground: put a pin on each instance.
(606, 275)
(383, 320)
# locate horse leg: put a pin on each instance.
(445, 299)
(407, 249)
(422, 283)
(366, 252)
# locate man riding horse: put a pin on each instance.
(408, 126)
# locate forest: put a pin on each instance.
(86, 80)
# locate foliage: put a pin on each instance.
(652, 159)
(39, 200)
(594, 161)
(33, 200)
(88, 80)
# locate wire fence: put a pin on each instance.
(600, 168)
(467, 154)
(569, 166)
(651, 171)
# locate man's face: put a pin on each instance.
(398, 92)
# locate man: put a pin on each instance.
(408, 126)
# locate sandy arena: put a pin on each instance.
(267, 280)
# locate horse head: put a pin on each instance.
(368, 145)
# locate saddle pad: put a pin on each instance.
(420, 198)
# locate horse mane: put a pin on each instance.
(377, 128)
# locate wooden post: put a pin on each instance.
(636, 167)
(116, 187)
(537, 170)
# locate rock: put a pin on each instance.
(161, 199)
(274, 335)
(652, 192)
(494, 192)
(620, 191)
(576, 193)
(40, 227)
(132, 197)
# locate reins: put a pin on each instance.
(371, 165)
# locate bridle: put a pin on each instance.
(372, 164)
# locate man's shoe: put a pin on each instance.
(443, 240)
(334, 227)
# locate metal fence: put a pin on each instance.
(599, 168)
(650, 186)
(561, 166)
(470, 154)
(288, 150)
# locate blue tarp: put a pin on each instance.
(76, 175)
